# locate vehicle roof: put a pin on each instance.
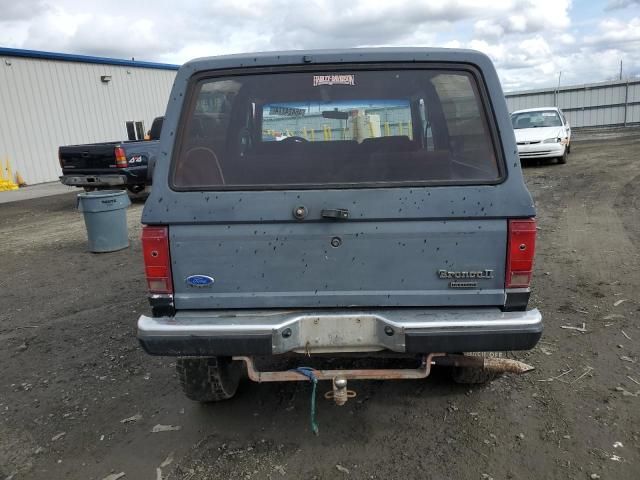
(307, 57)
(537, 109)
(167, 206)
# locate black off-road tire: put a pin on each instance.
(563, 159)
(139, 195)
(209, 379)
(474, 376)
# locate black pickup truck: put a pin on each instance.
(121, 164)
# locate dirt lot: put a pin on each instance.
(71, 369)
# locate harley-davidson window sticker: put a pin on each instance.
(334, 80)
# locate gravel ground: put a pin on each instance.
(71, 370)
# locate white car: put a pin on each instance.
(542, 133)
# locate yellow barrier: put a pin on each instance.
(6, 177)
(327, 133)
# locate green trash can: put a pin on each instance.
(105, 216)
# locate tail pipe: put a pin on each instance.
(489, 364)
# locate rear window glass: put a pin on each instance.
(547, 118)
(318, 129)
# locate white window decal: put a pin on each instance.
(334, 80)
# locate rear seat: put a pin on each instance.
(321, 147)
(396, 144)
(337, 162)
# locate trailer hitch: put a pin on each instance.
(350, 374)
(339, 378)
(340, 394)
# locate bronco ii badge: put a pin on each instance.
(446, 274)
(199, 281)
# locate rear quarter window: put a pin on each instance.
(335, 128)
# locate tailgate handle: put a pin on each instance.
(335, 213)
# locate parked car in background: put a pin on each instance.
(107, 165)
(542, 133)
(391, 219)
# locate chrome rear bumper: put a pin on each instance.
(410, 330)
(93, 180)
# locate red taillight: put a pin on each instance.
(521, 248)
(121, 158)
(157, 264)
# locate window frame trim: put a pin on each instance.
(476, 74)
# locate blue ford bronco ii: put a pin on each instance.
(361, 203)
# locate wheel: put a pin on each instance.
(138, 193)
(563, 158)
(135, 189)
(209, 379)
(569, 148)
(467, 375)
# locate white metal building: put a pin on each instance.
(592, 105)
(52, 99)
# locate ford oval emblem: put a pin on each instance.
(199, 280)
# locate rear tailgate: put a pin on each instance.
(381, 186)
(98, 156)
(97, 159)
(370, 263)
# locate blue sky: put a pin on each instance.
(530, 41)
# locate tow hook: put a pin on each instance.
(340, 394)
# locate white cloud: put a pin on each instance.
(22, 10)
(619, 4)
(566, 39)
(614, 32)
(487, 28)
(517, 23)
(525, 17)
(529, 40)
(536, 48)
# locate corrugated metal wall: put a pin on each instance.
(592, 105)
(48, 103)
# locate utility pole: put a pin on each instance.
(558, 88)
(620, 77)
